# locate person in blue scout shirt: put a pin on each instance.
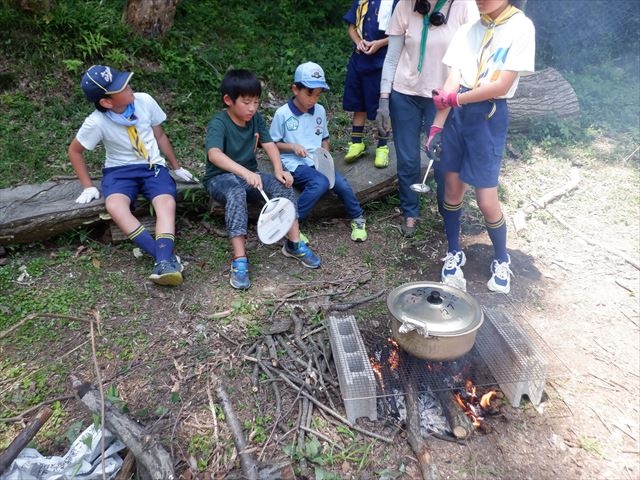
(299, 128)
(128, 125)
(368, 20)
(486, 59)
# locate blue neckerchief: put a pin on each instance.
(126, 118)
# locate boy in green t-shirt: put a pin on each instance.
(232, 177)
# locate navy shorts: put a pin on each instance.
(473, 142)
(133, 180)
(361, 88)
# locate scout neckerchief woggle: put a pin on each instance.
(423, 8)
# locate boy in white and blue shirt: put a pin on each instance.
(299, 128)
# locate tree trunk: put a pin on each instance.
(150, 18)
(544, 94)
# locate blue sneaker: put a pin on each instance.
(501, 273)
(167, 272)
(239, 275)
(302, 253)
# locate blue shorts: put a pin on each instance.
(473, 142)
(361, 87)
(132, 180)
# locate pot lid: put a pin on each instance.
(435, 308)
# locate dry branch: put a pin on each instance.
(414, 436)
(593, 243)
(520, 218)
(24, 437)
(149, 453)
(247, 461)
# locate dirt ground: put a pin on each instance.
(575, 290)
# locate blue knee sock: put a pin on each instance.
(143, 239)
(383, 140)
(356, 134)
(498, 234)
(164, 246)
(451, 215)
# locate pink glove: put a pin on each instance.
(434, 142)
(442, 99)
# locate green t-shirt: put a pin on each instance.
(238, 143)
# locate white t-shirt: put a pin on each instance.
(408, 23)
(98, 128)
(290, 125)
(512, 48)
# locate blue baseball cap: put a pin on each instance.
(310, 75)
(100, 80)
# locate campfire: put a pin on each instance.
(448, 400)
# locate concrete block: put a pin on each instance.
(355, 375)
(516, 364)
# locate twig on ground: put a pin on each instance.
(247, 461)
(323, 437)
(273, 354)
(94, 359)
(212, 409)
(347, 306)
(592, 242)
(20, 416)
(520, 217)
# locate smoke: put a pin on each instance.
(574, 34)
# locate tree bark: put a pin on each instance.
(24, 437)
(150, 18)
(544, 94)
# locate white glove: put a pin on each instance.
(88, 194)
(184, 174)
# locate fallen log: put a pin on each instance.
(542, 95)
(150, 456)
(24, 437)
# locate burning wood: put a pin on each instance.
(474, 407)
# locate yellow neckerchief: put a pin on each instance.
(491, 24)
(361, 12)
(138, 144)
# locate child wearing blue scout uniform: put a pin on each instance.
(486, 59)
(299, 128)
(368, 20)
(128, 125)
(232, 177)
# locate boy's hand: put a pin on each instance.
(88, 194)
(253, 179)
(382, 117)
(184, 174)
(299, 150)
(442, 99)
(433, 146)
(285, 177)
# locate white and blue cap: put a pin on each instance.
(310, 75)
(99, 81)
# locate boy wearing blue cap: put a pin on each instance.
(128, 125)
(299, 128)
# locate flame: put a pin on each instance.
(472, 407)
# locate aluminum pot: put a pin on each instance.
(434, 321)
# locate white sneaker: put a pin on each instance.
(452, 270)
(501, 273)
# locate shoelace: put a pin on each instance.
(451, 261)
(502, 271)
